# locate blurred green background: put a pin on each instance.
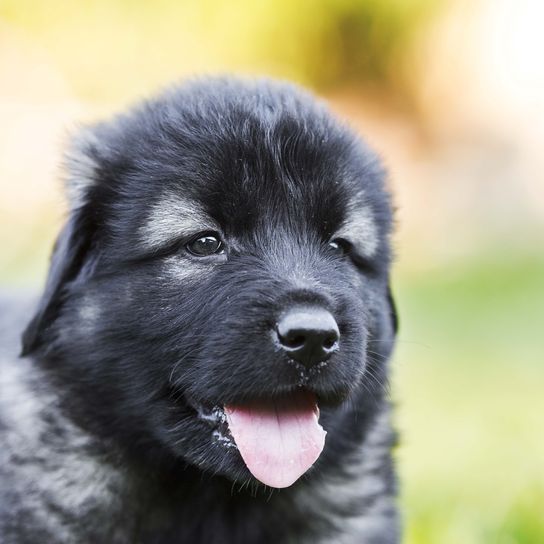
(451, 93)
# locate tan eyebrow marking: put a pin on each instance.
(171, 218)
(360, 227)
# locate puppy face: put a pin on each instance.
(227, 247)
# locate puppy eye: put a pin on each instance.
(206, 245)
(339, 246)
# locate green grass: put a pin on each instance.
(469, 391)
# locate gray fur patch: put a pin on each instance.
(185, 270)
(171, 218)
(360, 227)
(89, 311)
(48, 473)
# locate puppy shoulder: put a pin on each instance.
(51, 476)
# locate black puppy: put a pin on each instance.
(217, 303)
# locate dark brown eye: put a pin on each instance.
(206, 245)
(339, 246)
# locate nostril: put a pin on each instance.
(293, 341)
(330, 342)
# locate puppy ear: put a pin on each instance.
(72, 244)
(82, 161)
(392, 310)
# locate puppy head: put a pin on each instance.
(226, 254)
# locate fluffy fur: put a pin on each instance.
(107, 421)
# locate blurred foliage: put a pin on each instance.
(319, 42)
(468, 381)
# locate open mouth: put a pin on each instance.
(279, 439)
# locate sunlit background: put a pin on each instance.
(451, 93)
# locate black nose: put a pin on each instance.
(308, 334)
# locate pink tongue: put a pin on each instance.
(278, 440)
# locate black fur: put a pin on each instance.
(131, 339)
